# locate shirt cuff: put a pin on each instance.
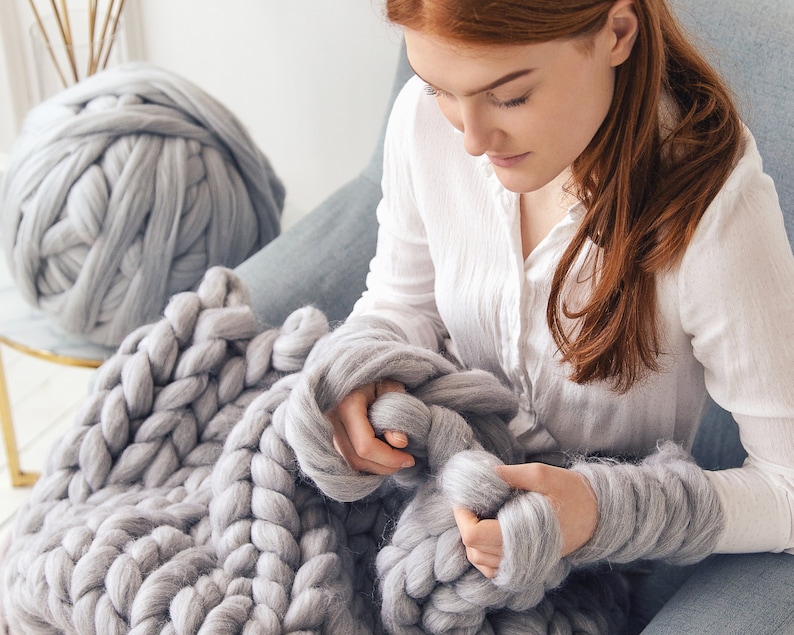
(757, 508)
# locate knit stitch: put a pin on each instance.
(176, 503)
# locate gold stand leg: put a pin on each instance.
(18, 477)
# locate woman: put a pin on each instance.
(572, 203)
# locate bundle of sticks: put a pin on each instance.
(102, 26)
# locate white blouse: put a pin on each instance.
(449, 270)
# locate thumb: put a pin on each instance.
(526, 476)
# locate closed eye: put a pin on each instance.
(513, 103)
(433, 91)
(510, 103)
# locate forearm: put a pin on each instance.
(663, 508)
(758, 498)
(757, 510)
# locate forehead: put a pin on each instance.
(455, 66)
(425, 47)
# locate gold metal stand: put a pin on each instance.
(20, 478)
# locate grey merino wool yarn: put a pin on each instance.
(456, 425)
(198, 492)
(123, 190)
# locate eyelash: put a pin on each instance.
(514, 103)
(510, 103)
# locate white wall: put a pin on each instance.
(13, 93)
(8, 118)
(309, 78)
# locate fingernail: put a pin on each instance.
(401, 437)
(408, 463)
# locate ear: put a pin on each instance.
(624, 27)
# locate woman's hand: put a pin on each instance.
(572, 499)
(354, 437)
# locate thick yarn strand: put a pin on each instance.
(123, 190)
(426, 582)
(677, 514)
(185, 498)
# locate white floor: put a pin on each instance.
(44, 399)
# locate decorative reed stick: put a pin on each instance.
(66, 34)
(100, 39)
(106, 40)
(92, 5)
(110, 41)
(48, 46)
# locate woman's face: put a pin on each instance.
(532, 109)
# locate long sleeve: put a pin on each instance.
(401, 280)
(736, 287)
(449, 265)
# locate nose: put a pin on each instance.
(479, 132)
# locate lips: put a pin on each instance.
(507, 161)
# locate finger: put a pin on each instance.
(484, 535)
(359, 445)
(367, 446)
(344, 447)
(483, 559)
(395, 438)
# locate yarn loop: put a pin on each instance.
(123, 190)
(184, 499)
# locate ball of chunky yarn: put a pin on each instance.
(123, 190)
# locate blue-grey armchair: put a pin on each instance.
(323, 261)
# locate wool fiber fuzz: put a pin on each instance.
(123, 190)
(198, 491)
(456, 425)
(677, 514)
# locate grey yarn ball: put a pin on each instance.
(122, 191)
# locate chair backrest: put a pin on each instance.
(403, 73)
(751, 43)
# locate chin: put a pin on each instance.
(521, 185)
(526, 183)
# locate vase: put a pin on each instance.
(61, 61)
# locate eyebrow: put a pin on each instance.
(495, 84)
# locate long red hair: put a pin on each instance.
(644, 188)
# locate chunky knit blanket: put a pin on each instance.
(193, 493)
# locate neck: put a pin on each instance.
(542, 209)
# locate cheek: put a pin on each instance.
(598, 98)
(581, 112)
(451, 113)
